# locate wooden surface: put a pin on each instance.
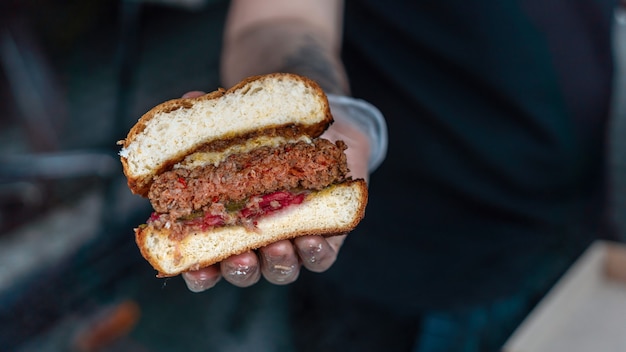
(585, 311)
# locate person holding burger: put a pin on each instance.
(495, 176)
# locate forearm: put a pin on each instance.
(303, 37)
(283, 45)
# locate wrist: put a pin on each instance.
(367, 119)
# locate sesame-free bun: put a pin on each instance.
(332, 211)
(273, 104)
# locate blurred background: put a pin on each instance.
(74, 76)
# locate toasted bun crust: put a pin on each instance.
(277, 103)
(333, 211)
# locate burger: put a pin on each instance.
(235, 170)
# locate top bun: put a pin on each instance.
(273, 104)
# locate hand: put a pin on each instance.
(280, 262)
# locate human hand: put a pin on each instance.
(280, 262)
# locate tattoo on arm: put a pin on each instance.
(310, 59)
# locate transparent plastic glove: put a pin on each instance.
(280, 262)
(365, 117)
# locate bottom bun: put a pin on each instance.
(332, 211)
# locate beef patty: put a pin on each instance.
(300, 165)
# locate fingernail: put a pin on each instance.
(312, 253)
(277, 264)
(239, 272)
(283, 269)
(281, 272)
(199, 285)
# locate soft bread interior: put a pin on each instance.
(174, 129)
(332, 211)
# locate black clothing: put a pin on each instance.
(495, 172)
(494, 180)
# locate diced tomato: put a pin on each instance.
(248, 213)
(255, 208)
(272, 202)
(207, 221)
(212, 221)
(154, 217)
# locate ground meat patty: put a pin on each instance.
(299, 165)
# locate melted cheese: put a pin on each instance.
(199, 159)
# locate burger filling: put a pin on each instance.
(244, 186)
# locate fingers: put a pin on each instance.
(193, 94)
(202, 279)
(241, 270)
(318, 253)
(279, 263)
